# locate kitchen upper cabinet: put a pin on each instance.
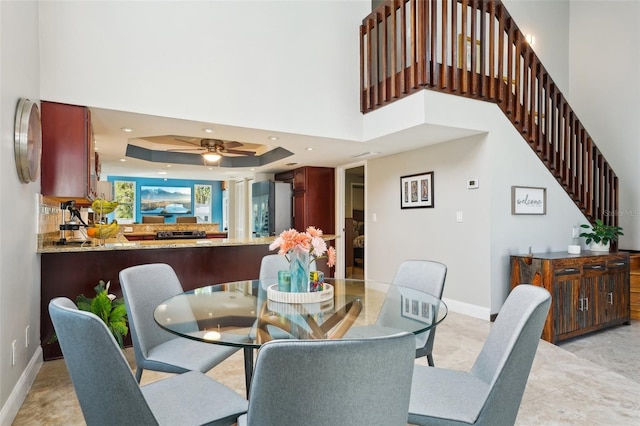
(313, 197)
(69, 163)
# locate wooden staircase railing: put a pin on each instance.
(410, 45)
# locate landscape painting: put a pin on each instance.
(158, 200)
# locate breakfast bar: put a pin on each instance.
(74, 269)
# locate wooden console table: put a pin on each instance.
(589, 291)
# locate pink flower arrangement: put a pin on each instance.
(310, 241)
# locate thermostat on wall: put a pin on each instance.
(472, 184)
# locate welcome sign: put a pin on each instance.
(528, 200)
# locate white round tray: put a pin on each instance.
(299, 308)
(306, 297)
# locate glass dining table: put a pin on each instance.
(242, 314)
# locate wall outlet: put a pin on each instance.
(374, 217)
(473, 184)
(576, 232)
(459, 216)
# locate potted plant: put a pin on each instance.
(601, 235)
(110, 309)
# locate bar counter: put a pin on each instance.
(73, 269)
(123, 244)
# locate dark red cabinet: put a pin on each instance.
(69, 169)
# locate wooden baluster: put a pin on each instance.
(383, 53)
(455, 71)
(395, 78)
(474, 57)
(464, 83)
(492, 51)
(443, 37)
(482, 86)
(525, 109)
(566, 144)
(421, 41)
(433, 56)
(502, 52)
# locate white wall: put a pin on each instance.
(19, 264)
(286, 65)
(477, 250)
(547, 21)
(605, 93)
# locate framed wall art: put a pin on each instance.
(416, 191)
(528, 200)
(416, 309)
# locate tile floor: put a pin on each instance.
(591, 380)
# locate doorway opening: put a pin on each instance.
(354, 226)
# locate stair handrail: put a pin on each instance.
(427, 45)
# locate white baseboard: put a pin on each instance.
(475, 311)
(20, 390)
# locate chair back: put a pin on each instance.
(152, 219)
(186, 219)
(330, 382)
(105, 386)
(272, 263)
(425, 276)
(507, 355)
(144, 287)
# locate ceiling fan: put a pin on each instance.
(214, 149)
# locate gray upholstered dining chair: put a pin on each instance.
(424, 276)
(491, 392)
(332, 382)
(144, 287)
(269, 267)
(108, 392)
(271, 264)
(427, 276)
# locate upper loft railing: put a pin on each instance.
(411, 45)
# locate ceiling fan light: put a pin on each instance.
(211, 156)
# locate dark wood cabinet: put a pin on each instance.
(589, 291)
(313, 197)
(69, 163)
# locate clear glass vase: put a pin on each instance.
(299, 268)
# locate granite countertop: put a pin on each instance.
(122, 243)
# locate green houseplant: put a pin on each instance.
(601, 234)
(110, 309)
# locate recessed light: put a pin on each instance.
(162, 173)
(168, 165)
(273, 138)
(123, 159)
(126, 129)
(309, 149)
(207, 130)
(252, 169)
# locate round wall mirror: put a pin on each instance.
(28, 140)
